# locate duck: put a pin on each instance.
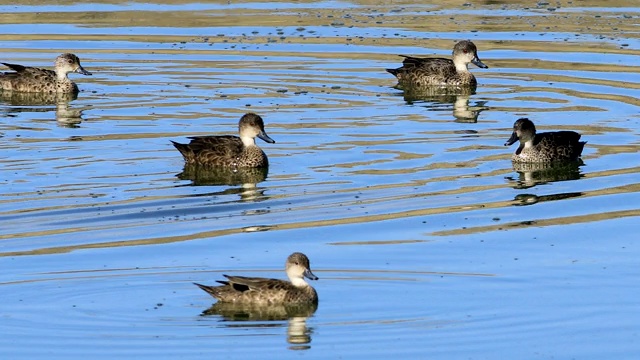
(546, 147)
(264, 291)
(229, 150)
(36, 80)
(421, 72)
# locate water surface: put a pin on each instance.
(427, 241)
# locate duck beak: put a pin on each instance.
(263, 135)
(81, 70)
(512, 139)
(309, 275)
(479, 63)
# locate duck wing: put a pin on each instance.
(558, 138)
(226, 145)
(440, 66)
(27, 70)
(243, 283)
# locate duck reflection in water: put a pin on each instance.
(532, 174)
(244, 181)
(206, 175)
(23, 102)
(243, 315)
(443, 98)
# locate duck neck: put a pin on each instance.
(461, 66)
(299, 282)
(248, 141)
(62, 76)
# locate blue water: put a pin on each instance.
(427, 242)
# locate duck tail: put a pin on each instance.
(208, 289)
(183, 148)
(580, 147)
(394, 72)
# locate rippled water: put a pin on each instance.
(427, 242)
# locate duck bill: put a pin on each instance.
(309, 275)
(263, 135)
(81, 70)
(512, 139)
(479, 63)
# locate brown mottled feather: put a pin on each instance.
(547, 146)
(228, 150)
(37, 80)
(240, 289)
(421, 72)
(255, 290)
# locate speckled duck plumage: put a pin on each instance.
(37, 80)
(229, 150)
(546, 147)
(263, 291)
(421, 72)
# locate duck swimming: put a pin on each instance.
(544, 147)
(263, 291)
(420, 72)
(37, 80)
(229, 150)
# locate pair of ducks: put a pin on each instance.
(414, 72)
(242, 151)
(547, 147)
(228, 151)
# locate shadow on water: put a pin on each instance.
(20, 102)
(439, 98)
(532, 174)
(246, 316)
